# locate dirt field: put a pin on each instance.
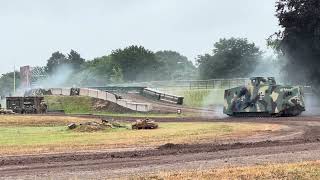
(298, 140)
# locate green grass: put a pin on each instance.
(199, 97)
(143, 115)
(23, 136)
(84, 105)
(70, 104)
(30, 139)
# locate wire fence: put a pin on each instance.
(192, 84)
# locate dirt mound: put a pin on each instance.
(102, 105)
(94, 126)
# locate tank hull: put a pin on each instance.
(264, 100)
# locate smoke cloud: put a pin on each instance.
(59, 78)
(269, 67)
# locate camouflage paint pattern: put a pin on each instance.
(264, 96)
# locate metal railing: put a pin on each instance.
(191, 84)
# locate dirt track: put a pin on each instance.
(299, 141)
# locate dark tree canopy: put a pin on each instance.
(300, 39)
(6, 83)
(75, 59)
(231, 58)
(99, 71)
(174, 66)
(133, 63)
(136, 63)
(57, 59)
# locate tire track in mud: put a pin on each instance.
(310, 151)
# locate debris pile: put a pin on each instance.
(94, 126)
(145, 124)
(38, 92)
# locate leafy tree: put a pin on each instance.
(57, 59)
(175, 66)
(97, 72)
(136, 63)
(299, 40)
(75, 59)
(6, 83)
(231, 58)
(102, 65)
(94, 73)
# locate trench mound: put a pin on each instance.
(99, 105)
(94, 126)
(83, 105)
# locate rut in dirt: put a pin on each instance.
(164, 150)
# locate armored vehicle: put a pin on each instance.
(144, 124)
(263, 97)
(25, 105)
(75, 92)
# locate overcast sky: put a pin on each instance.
(32, 30)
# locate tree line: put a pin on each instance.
(230, 58)
(234, 57)
(130, 64)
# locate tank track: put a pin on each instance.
(258, 115)
(252, 114)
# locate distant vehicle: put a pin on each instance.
(25, 105)
(144, 124)
(263, 97)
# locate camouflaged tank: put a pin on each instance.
(263, 97)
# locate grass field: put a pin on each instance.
(305, 170)
(84, 105)
(199, 97)
(40, 134)
(70, 104)
(144, 115)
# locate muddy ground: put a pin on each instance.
(299, 141)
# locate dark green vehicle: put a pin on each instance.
(263, 97)
(25, 105)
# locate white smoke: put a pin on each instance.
(59, 78)
(269, 67)
(214, 101)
